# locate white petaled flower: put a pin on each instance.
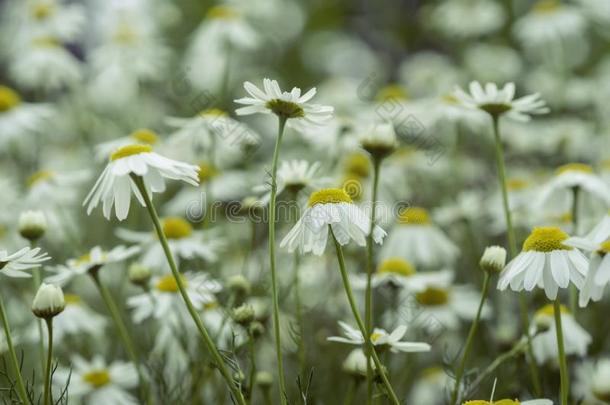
(58, 18)
(467, 18)
(381, 339)
(545, 262)
(49, 301)
(355, 364)
(333, 208)
(166, 297)
(76, 320)
(288, 105)
(601, 231)
(13, 265)
(95, 259)
(598, 274)
(96, 383)
(493, 259)
(293, 176)
(417, 240)
(572, 175)
(510, 402)
(498, 102)
(18, 117)
(32, 224)
(115, 185)
(184, 242)
(142, 136)
(544, 344)
(592, 382)
(379, 140)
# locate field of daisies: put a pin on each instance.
(301, 202)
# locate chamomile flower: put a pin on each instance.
(498, 102)
(55, 187)
(417, 240)
(467, 19)
(426, 387)
(381, 339)
(95, 382)
(142, 136)
(93, 260)
(510, 402)
(18, 117)
(115, 185)
(598, 274)
(288, 105)
(184, 242)
(545, 262)
(13, 265)
(330, 207)
(544, 344)
(294, 176)
(57, 18)
(592, 382)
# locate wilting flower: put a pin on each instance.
(381, 339)
(13, 265)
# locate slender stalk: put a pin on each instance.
(563, 364)
(370, 263)
(274, 289)
(512, 244)
(252, 354)
(21, 391)
(218, 360)
(473, 330)
(225, 316)
(573, 290)
(361, 326)
(47, 374)
(299, 314)
(351, 392)
(36, 280)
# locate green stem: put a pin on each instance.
(351, 392)
(299, 314)
(252, 353)
(512, 244)
(225, 316)
(47, 375)
(473, 329)
(370, 262)
(563, 365)
(21, 391)
(274, 288)
(218, 360)
(361, 326)
(573, 290)
(36, 280)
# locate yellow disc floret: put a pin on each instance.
(396, 265)
(546, 239)
(516, 184)
(168, 284)
(392, 92)
(222, 12)
(145, 135)
(546, 6)
(97, 378)
(329, 196)
(130, 150)
(432, 296)
(206, 172)
(604, 248)
(8, 99)
(549, 310)
(574, 167)
(414, 216)
(39, 177)
(375, 336)
(213, 112)
(42, 9)
(176, 228)
(357, 165)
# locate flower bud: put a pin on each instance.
(32, 225)
(139, 275)
(380, 140)
(243, 314)
(256, 329)
(48, 302)
(239, 285)
(264, 379)
(493, 259)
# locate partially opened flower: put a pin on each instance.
(498, 102)
(287, 105)
(330, 207)
(115, 185)
(143, 136)
(13, 265)
(598, 274)
(381, 339)
(545, 262)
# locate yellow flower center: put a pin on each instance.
(206, 172)
(414, 216)
(392, 92)
(546, 6)
(86, 258)
(565, 218)
(124, 34)
(72, 299)
(574, 167)
(450, 99)
(375, 336)
(517, 184)
(176, 228)
(357, 165)
(208, 306)
(46, 42)
(549, 310)
(329, 196)
(500, 402)
(396, 265)
(41, 10)
(9, 99)
(222, 12)
(130, 150)
(168, 284)
(546, 239)
(97, 378)
(604, 247)
(39, 177)
(145, 136)
(433, 296)
(285, 109)
(213, 112)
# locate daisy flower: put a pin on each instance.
(355, 363)
(592, 382)
(330, 207)
(510, 402)
(294, 176)
(417, 240)
(92, 261)
(545, 262)
(96, 382)
(288, 105)
(498, 102)
(57, 18)
(598, 274)
(576, 339)
(142, 136)
(466, 18)
(115, 184)
(184, 242)
(381, 339)
(13, 265)
(18, 117)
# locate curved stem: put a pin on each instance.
(354, 308)
(218, 360)
(47, 374)
(21, 391)
(512, 245)
(274, 288)
(473, 330)
(563, 365)
(368, 304)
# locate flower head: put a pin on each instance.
(493, 259)
(13, 265)
(49, 301)
(381, 339)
